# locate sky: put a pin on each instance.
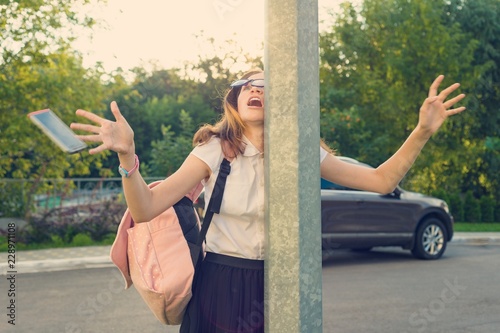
(136, 32)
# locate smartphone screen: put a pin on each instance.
(57, 130)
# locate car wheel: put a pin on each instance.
(430, 239)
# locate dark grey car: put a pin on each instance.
(362, 220)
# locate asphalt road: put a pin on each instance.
(382, 291)
(389, 292)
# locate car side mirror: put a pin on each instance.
(396, 194)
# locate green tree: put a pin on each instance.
(156, 100)
(170, 152)
(379, 60)
(30, 29)
(479, 18)
(39, 70)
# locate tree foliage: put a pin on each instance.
(481, 20)
(377, 62)
(39, 70)
(169, 152)
(30, 29)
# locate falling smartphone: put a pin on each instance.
(57, 130)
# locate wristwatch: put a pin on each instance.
(128, 173)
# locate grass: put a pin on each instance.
(476, 227)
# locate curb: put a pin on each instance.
(101, 261)
(476, 238)
(51, 265)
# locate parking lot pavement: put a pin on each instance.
(35, 261)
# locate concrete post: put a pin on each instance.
(293, 284)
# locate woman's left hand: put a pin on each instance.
(436, 108)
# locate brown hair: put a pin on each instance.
(229, 129)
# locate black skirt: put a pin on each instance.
(228, 297)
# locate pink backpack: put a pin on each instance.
(160, 257)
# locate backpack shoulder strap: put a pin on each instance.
(215, 200)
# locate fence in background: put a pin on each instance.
(15, 194)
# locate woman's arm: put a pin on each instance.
(386, 177)
(144, 203)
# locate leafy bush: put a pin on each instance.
(13, 199)
(94, 222)
(38, 229)
(456, 207)
(63, 222)
(66, 223)
(472, 208)
(82, 240)
(441, 194)
(487, 205)
(497, 210)
(102, 219)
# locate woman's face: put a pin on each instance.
(251, 102)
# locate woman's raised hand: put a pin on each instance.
(117, 135)
(436, 108)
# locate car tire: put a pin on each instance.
(430, 239)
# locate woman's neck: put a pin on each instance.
(256, 137)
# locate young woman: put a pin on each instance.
(231, 286)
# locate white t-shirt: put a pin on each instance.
(238, 230)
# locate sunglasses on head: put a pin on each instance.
(259, 83)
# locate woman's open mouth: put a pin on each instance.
(255, 102)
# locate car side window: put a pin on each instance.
(327, 185)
